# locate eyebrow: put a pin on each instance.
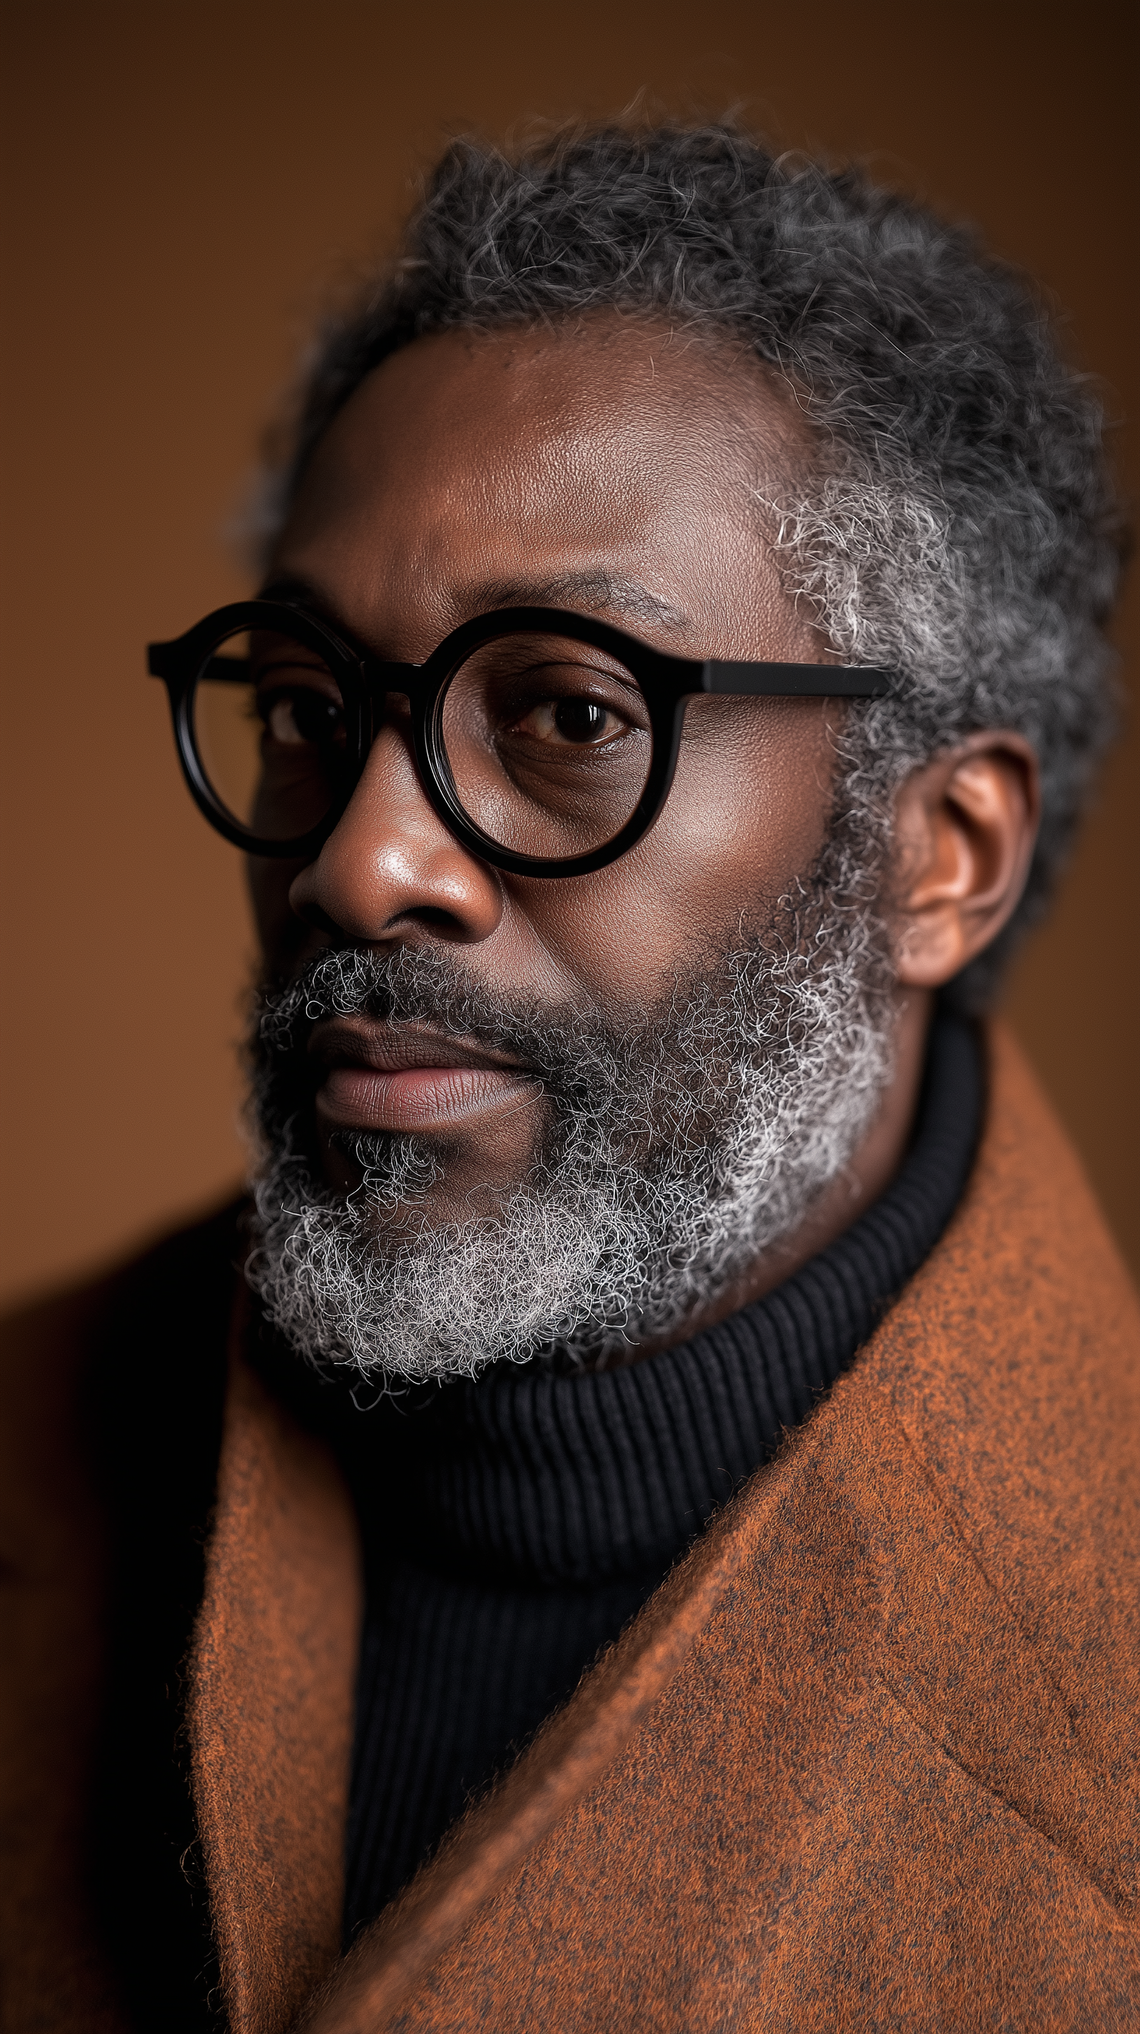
(292, 586)
(593, 590)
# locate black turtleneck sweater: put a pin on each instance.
(512, 1525)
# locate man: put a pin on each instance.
(634, 1524)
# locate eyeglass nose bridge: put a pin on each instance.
(380, 680)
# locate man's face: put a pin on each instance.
(619, 470)
(615, 470)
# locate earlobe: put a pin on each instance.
(965, 828)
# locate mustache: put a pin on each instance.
(683, 1056)
(564, 1047)
(405, 987)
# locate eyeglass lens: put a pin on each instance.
(547, 740)
(268, 726)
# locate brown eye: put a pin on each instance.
(577, 720)
(281, 722)
(581, 720)
(548, 742)
(302, 716)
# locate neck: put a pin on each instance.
(866, 1175)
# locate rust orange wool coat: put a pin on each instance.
(866, 1760)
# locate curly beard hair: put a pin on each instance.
(676, 1150)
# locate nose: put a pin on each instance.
(391, 870)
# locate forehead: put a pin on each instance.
(614, 445)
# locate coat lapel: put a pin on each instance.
(867, 1757)
(270, 1708)
(849, 1744)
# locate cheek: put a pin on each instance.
(747, 814)
(280, 932)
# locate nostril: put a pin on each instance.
(313, 914)
(431, 915)
(444, 924)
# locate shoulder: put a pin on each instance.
(964, 1507)
(61, 1324)
(985, 1451)
(1013, 1358)
(112, 1407)
(70, 1361)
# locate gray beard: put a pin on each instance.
(678, 1152)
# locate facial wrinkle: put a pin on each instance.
(593, 590)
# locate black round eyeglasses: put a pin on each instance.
(546, 741)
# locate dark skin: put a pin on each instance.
(611, 468)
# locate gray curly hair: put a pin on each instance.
(957, 523)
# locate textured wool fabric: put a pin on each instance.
(867, 1759)
(531, 1515)
(113, 1407)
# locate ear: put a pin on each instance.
(965, 828)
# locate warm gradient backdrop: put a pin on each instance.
(186, 181)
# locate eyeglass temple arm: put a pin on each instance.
(236, 670)
(222, 670)
(807, 681)
(159, 661)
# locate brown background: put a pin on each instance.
(185, 183)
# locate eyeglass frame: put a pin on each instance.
(666, 682)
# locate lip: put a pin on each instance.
(407, 1077)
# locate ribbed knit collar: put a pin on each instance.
(527, 1476)
(524, 1478)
